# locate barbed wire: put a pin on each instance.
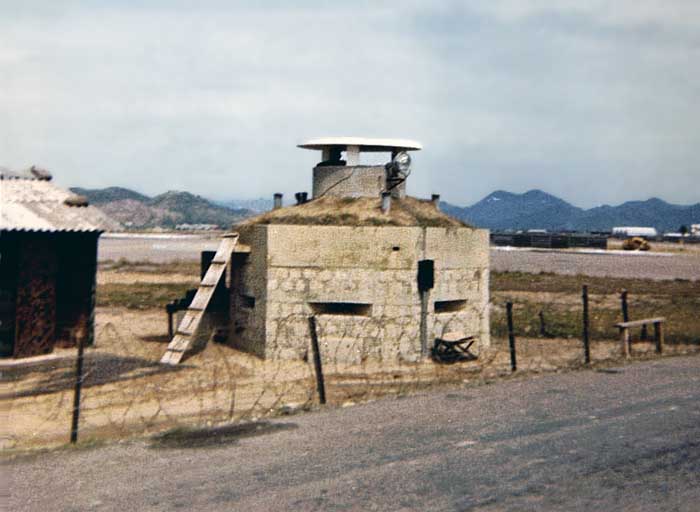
(126, 391)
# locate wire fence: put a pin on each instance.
(126, 391)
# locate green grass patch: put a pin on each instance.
(139, 295)
(548, 282)
(150, 267)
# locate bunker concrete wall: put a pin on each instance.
(249, 281)
(307, 265)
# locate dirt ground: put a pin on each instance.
(127, 392)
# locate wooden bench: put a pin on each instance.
(627, 340)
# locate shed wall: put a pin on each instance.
(49, 281)
(35, 309)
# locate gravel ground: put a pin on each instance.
(168, 248)
(625, 438)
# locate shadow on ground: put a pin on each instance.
(156, 338)
(59, 375)
(216, 436)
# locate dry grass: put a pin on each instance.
(559, 298)
(144, 284)
(187, 267)
(362, 211)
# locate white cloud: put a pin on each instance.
(504, 94)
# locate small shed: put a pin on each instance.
(48, 263)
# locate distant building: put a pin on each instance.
(197, 227)
(627, 231)
(695, 229)
(48, 242)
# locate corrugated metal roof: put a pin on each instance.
(31, 204)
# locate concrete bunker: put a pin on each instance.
(384, 273)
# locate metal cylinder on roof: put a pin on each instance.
(343, 176)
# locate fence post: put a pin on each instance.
(169, 309)
(78, 387)
(644, 334)
(543, 328)
(586, 341)
(511, 336)
(625, 312)
(659, 337)
(320, 384)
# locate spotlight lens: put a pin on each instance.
(402, 161)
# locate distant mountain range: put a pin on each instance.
(499, 210)
(539, 210)
(138, 211)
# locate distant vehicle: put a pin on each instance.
(636, 243)
(537, 231)
(695, 230)
(627, 231)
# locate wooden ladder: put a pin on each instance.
(186, 331)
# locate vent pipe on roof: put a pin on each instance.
(277, 201)
(301, 197)
(435, 198)
(76, 200)
(386, 202)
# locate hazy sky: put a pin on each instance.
(596, 101)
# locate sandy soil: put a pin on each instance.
(121, 277)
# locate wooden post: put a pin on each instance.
(511, 336)
(625, 339)
(169, 309)
(625, 312)
(320, 384)
(78, 387)
(586, 341)
(659, 336)
(543, 329)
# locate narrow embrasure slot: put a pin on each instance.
(449, 306)
(341, 308)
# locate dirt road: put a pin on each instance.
(625, 438)
(663, 265)
(163, 248)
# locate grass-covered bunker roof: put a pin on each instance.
(357, 212)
